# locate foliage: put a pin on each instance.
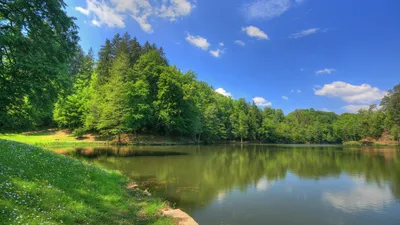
(353, 143)
(132, 89)
(78, 132)
(37, 42)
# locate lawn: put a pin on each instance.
(41, 187)
(63, 138)
(51, 138)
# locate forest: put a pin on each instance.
(47, 80)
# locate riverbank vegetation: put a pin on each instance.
(39, 187)
(132, 89)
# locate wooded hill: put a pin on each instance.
(47, 80)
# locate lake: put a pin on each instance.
(265, 184)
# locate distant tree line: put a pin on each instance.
(46, 79)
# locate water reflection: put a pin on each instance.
(120, 151)
(216, 184)
(263, 184)
(362, 197)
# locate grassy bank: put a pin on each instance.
(62, 138)
(50, 139)
(41, 187)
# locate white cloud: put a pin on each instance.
(103, 14)
(96, 23)
(82, 10)
(304, 33)
(217, 52)
(223, 92)
(285, 97)
(354, 108)
(260, 101)
(239, 42)
(324, 110)
(221, 44)
(175, 9)
(298, 91)
(268, 8)
(253, 31)
(113, 13)
(362, 94)
(143, 23)
(198, 41)
(325, 71)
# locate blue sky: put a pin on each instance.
(335, 55)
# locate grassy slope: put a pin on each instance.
(53, 138)
(50, 139)
(41, 137)
(41, 187)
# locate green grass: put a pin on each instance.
(38, 138)
(41, 187)
(52, 138)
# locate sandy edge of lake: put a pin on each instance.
(180, 216)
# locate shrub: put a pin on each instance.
(78, 132)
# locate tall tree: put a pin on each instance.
(70, 111)
(115, 105)
(391, 104)
(105, 62)
(240, 120)
(37, 41)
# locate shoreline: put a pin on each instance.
(100, 194)
(63, 138)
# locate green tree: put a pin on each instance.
(391, 104)
(115, 105)
(71, 111)
(240, 120)
(105, 62)
(38, 40)
(255, 119)
(138, 109)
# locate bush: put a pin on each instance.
(352, 143)
(78, 132)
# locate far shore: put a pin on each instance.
(63, 138)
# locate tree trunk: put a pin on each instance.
(241, 139)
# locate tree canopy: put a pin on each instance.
(37, 42)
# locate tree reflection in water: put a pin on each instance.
(193, 176)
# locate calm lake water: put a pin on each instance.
(266, 184)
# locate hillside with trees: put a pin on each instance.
(47, 80)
